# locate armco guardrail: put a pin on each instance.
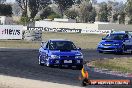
(68, 30)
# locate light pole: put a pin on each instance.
(26, 14)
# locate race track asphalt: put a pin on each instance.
(23, 63)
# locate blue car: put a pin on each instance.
(60, 52)
(116, 43)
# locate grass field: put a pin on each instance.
(85, 41)
(116, 64)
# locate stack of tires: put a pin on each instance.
(32, 35)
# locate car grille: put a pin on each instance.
(67, 57)
(108, 48)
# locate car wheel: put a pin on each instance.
(60, 66)
(79, 67)
(40, 61)
(100, 51)
(48, 64)
(131, 52)
(84, 82)
(122, 50)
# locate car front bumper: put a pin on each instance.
(109, 48)
(72, 62)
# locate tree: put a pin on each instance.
(129, 10)
(71, 14)
(115, 17)
(64, 4)
(85, 10)
(77, 1)
(34, 6)
(5, 10)
(92, 16)
(53, 15)
(16, 11)
(122, 18)
(46, 12)
(103, 14)
(23, 6)
(94, 1)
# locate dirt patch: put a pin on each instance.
(16, 82)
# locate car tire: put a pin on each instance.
(100, 51)
(122, 50)
(131, 52)
(39, 61)
(60, 66)
(79, 67)
(48, 65)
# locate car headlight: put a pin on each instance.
(55, 56)
(79, 57)
(116, 44)
(99, 44)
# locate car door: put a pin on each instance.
(128, 41)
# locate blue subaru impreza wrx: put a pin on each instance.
(60, 52)
(116, 42)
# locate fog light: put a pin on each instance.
(78, 61)
(57, 61)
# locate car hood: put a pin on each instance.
(111, 41)
(65, 53)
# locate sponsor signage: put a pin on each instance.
(66, 30)
(11, 32)
(110, 82)
(35, 28)
(95, 31)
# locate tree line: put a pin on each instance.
(86, 11)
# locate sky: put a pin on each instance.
(97, 0)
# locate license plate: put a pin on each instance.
(67, 61)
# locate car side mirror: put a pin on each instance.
(79, 49)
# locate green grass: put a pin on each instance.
(85, 41)
(19, 44)
(116, 64)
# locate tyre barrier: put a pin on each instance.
(32, 35)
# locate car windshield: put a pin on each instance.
(62, 45)
(115, 37)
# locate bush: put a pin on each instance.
(71, 14)
(54, 15)
(24, 20)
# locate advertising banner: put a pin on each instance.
(11, 31)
